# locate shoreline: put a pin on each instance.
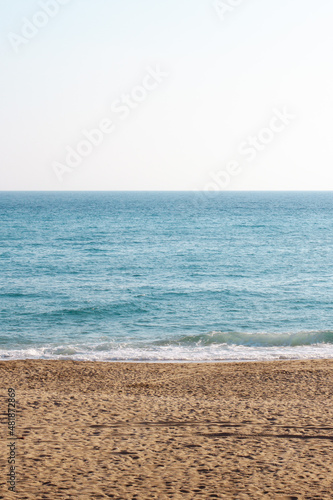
(126, 430)
(168, 362)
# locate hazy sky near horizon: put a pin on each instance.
(188, 95)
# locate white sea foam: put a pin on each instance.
(172, 353)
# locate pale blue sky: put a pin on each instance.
(225, 79)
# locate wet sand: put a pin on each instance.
(90, 430)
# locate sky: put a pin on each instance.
(166, 95)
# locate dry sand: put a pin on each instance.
(181, 431)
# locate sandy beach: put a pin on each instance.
(87, 430)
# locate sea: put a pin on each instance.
(166, 276)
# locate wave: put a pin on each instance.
(265, 339)
(213, 346)
(174, 353)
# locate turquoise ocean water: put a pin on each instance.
(166, 276)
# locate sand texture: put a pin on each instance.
(178, 431)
